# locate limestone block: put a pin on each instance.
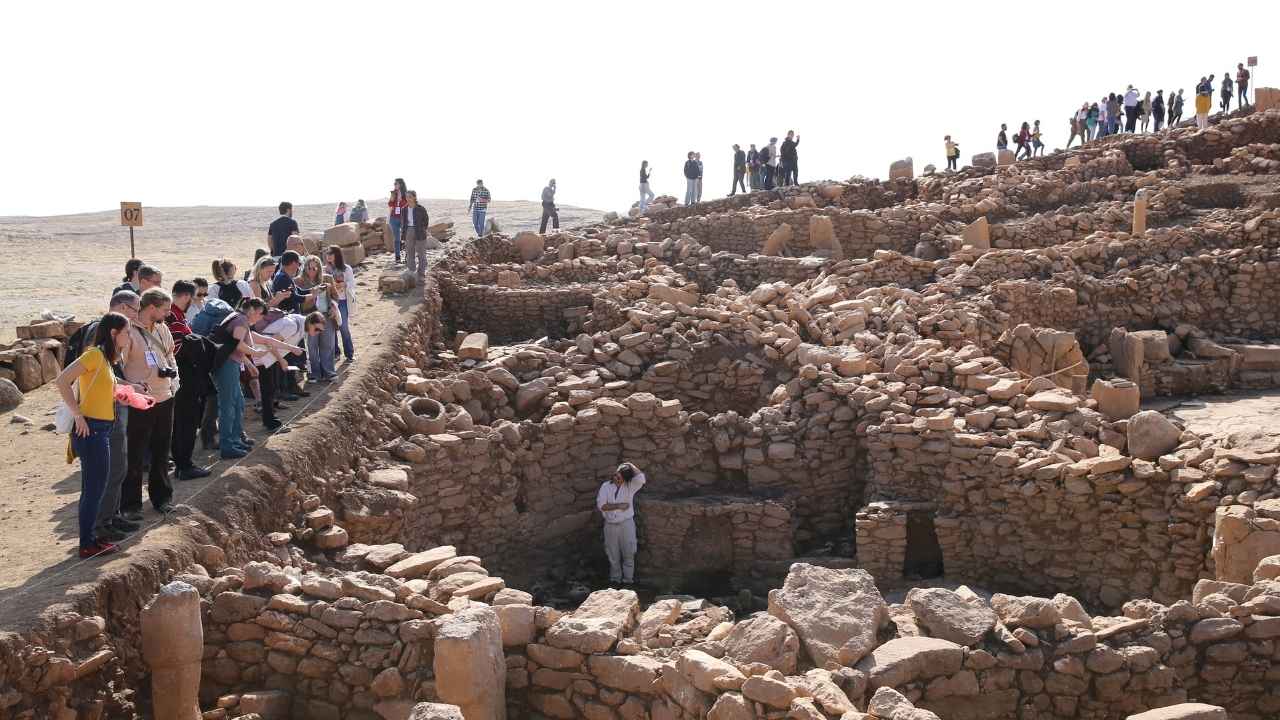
(1025, 611)
(1004, 157)
(1183, 711)
(475, 346)
(904, 168)
(977, 234)
(777, 241)
(1151, 434)
(435, 711)
(764, 639)
(628, 673)
(508, 279)
(267, 704)
(1267, 569)
(598, 623)
(344, 236)
(469, 665)
(947, 615)
(1239, 545)
(419, 564)
(1155, 346)
(1117, 398)
(173, 645)
(666, 293)
(836, 613)
(904, 660)
(983, 160)
(529, 244)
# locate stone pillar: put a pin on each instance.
(172, 645)
(978, 234)
(471, 671)
(1140, 212)
(1004, 157)
(1266, 98)
(904, 168)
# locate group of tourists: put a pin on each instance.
(1134, 111)
(162, 367)
(1130, 111)
(772, 166)
(357, 213)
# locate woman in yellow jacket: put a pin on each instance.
(1204, 102)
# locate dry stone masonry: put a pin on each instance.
(899, 469)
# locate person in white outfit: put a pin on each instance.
(616, 501)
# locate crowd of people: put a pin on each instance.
(772, 166)
(1130, 111)
(164, 367)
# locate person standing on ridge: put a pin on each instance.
(1075, 130)
(395, 213)
(1204, 101)
(1131, 109)
(790, 159)
(1037, 146)
(690, 180)
(1228, 89)
(1242, 85)
(772, 180)
(549, 211)
(697, 157)
(762, 159)
(1002, 138)
(1157, 110)
(416, 221)
(280, 229)
(953, 152)
(616, 502)
(753, 167)
(739, 170)
(1175, 108)
(477, 206)
(1144, 112)
(359, 213)
(646, 195)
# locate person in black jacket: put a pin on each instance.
(766, 154)
(753, 166)
(691, 173)
(739, 170)
(415, 236)
(1157, 109)
(790, 159)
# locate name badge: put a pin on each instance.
(150, 358)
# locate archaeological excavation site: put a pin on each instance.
(910, 452)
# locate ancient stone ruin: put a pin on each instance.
(899, 468)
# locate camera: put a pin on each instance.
(167, 372)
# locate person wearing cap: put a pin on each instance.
(616, 501)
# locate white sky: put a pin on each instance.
(249, 103)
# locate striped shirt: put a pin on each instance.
(480, 197)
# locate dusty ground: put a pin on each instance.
(75, 261)
(1223, 415)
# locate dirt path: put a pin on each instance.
(39, 492)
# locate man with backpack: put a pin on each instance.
(194, 356)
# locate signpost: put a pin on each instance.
(131, 216)
(1253, 63)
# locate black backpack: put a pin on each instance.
(229, 293)
(79, 340)
(195, 357)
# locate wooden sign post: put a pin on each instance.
(131, 216)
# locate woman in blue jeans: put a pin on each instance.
(233, 335)
(94, 414)
(344, 279)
